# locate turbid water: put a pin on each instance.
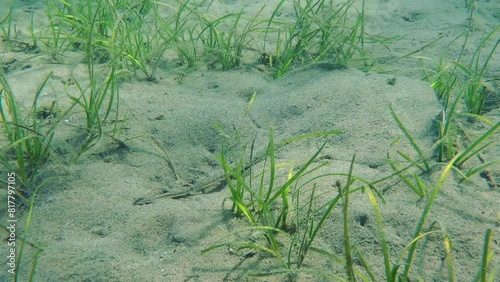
(112, 217)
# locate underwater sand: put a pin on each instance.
(91, 229)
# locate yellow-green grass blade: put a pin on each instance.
(410, 138)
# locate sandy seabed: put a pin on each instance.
(91, 230)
